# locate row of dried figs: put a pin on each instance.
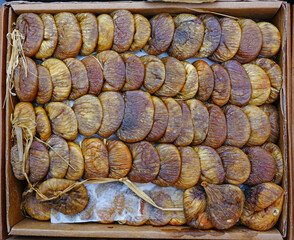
(183, 36)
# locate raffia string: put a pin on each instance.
(198, 10)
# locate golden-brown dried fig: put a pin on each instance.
(212, 169)
(188, 36)
(135, 71)
(222, 85)
(271, 39)
(178, 200)
(259, 124)
(88, 110)
(49, 41)
(43, 123)
(124, 29)
(61, 78)
(162, 32)
(236, 164)
(63, 120)
(274, 74)
(45, 87)
(72, 202)
(76, 162)
(31, 27)
(190, 171)
(79, 78)
(206, 80)
(26, 80)
(224, 204)
(240, 83)
(96, 158)
(170, 165)
(175, 121)
(142, 32)
(17, 163)
(154, 73)
(113, 107)
(263, 165)
(200, 119)
(89, 28)
(238, 126)
(138, 118)
(273, 115)
(120, 159)
(212, 35)
(105, 32)
(69, 35)
(146, 163)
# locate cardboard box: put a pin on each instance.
(277, 12)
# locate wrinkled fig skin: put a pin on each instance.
(273, 115)
(45, 86)
(17, 164)
(68, 203)
(179, 216)
(224, 204)
(105, 32)
(31, 27)
(195, 208)
(76, 161)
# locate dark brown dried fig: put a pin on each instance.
(273, 115)
(45, 86)
(105, 32)
(43, 123)
(17, 163)
(76, 161)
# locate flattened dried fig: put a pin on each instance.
(49, 41)
(68, 203)
(146, 163)
(211, 165)
(236, 164)
(61, 78)
(138, 118)
(240, 83)
(17, 163)
(170, 165)
(105, 32)
(45, 87)
(79, 78)
(263, 165)
(224, 204)
(178, 200)
(26, 80)
(89, 28)
(135, 71)
(230, 40)
(206, 80)
(212, 35)
(273, 115)
(190, 172)
(63, 120)
(120, 159)
(162, 33)
(259, 124)
(31, 27)
(142, 32)
(76, 161)
(96, 158)
(124, 29)
(271, 39)
(113, 107)
(154, 73)
(69, 35)
(88, 110)
(43, 123)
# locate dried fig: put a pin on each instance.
(263, 165)
(211, 165)
(26, 80)
(89, 28)
(88, 110)
(43, 123)
(76, 161)
(236, 164)
(79, 78)
(178, 218)
(96, 158)
(49, 41)
(69, 35)
(63, 120)
(105, 32)
(170, 165)
(162, 33)
(31, 27)
(138, 118)
(146, 163)
(224, 204)
(273, 115)
(72, 202)
(206, 80)
(61, 78)
(17, 163)
(120, 159)
(45, 87)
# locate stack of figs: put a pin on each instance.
(95, 110)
